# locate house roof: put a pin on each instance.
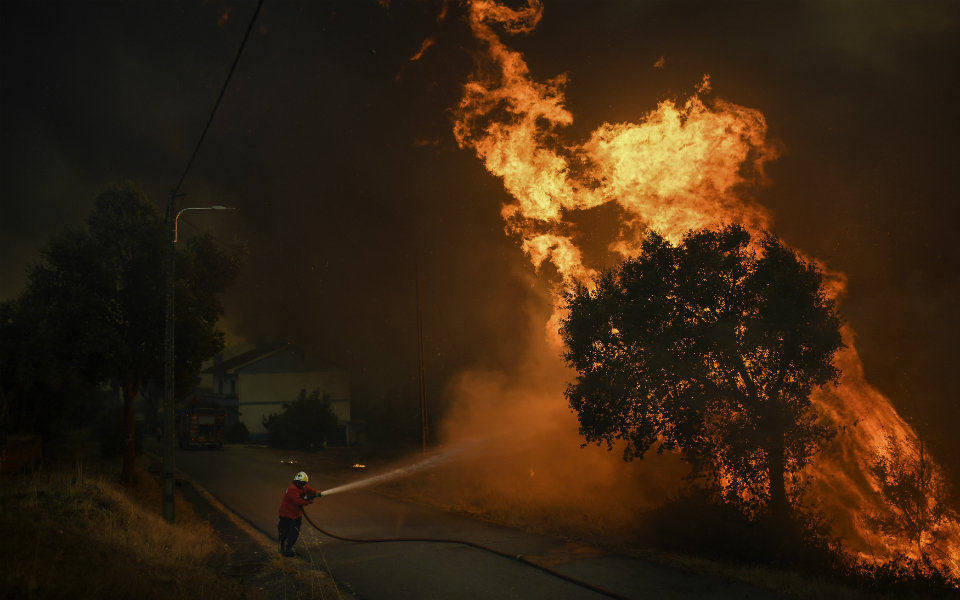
(260, 352)
(277, 357)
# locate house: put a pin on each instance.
(256, 383)
(205, 386)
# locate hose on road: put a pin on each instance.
(516, 557)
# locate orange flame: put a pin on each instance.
(843, 487)
(678, 168)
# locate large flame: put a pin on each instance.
(679, 167)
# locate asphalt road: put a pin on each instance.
(252, 482)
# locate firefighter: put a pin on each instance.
(299, 494)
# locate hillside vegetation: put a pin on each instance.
(71, 530)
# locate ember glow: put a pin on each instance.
(682, 166)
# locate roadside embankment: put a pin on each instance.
(74, 532)
(70, 530)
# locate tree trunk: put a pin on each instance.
(4, 416)
(130, 391)
(779, 507)
(778, 486)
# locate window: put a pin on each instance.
(219, 386)
(233, 386)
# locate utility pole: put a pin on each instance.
(169, 451)
(169, 458)
(423, 385)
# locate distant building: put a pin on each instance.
(205, 386)
(256, 383)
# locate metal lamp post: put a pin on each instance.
(169, 458)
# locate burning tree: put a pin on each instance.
(711, 347)
(918, 497)
(94, 306)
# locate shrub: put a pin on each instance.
(304, 424)
(237, 433)
(908, 577)
(698, 522)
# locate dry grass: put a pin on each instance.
(79, 534)
(70, 530)
(308, 577)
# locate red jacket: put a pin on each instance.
(290, 507)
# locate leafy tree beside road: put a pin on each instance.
(711, 347)
(94, 305)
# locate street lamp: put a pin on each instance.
(169, 483)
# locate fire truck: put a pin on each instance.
(200, 427)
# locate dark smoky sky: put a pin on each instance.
(337, 151)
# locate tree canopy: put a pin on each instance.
(710, 347)
(95, 304)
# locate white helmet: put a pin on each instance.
(301, 476)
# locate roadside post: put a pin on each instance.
(169, 450)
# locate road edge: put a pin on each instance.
(246, 526)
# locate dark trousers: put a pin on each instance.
(289, 531)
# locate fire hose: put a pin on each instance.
(517, 557)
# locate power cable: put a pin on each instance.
(219, 98)
(516, 557)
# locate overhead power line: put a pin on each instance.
(219, 98)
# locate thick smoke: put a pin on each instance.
(523, 463)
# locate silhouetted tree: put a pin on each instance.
(918, 497)
(304, 424)
(94, 305)
(711, 347)
(28, 368)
